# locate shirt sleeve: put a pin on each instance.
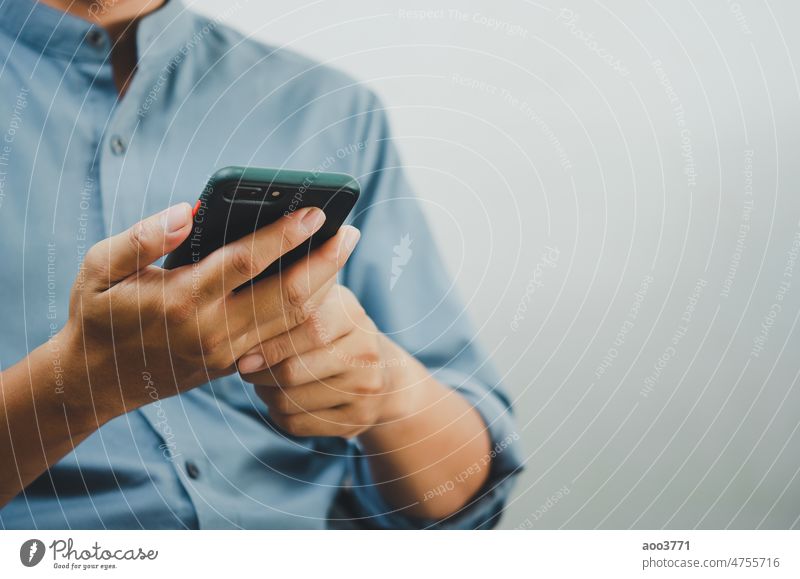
(401, 281)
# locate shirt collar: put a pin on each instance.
(54, 32)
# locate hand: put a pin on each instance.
(331, 375)
(134, 327)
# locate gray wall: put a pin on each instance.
(615, 188)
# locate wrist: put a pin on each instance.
(407, 382)
(72, 382)
(403, 376)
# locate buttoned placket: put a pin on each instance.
(123, 206)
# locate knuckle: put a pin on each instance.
(371, 356)
(94, 257)
(291, 237)
(179, 311)
(274, 351)
(137, 237)
(298, 315)
(295, 290)
(95, 266)
(245, 263)
(362, 388)
(286, 371)
(211, 343)
(369, 385)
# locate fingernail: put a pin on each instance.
(251, 363)
(312, 220)
(351, 237)
(175, 218)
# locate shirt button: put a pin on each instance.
(117, 145)
(95, 38)
(192, 470)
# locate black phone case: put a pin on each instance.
(239, 200)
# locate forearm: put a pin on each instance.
(37, 427)
(430, 455)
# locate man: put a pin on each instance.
(137, 397)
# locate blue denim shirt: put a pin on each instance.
(77, 164)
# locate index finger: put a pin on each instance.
(240, 261)
(278, 296)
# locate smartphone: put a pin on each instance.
(237, 201)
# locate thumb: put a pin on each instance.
(117, 257)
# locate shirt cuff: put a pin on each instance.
(483, 511)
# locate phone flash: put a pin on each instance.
(275, 194)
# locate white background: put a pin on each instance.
(369, 554)
(573, 126)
